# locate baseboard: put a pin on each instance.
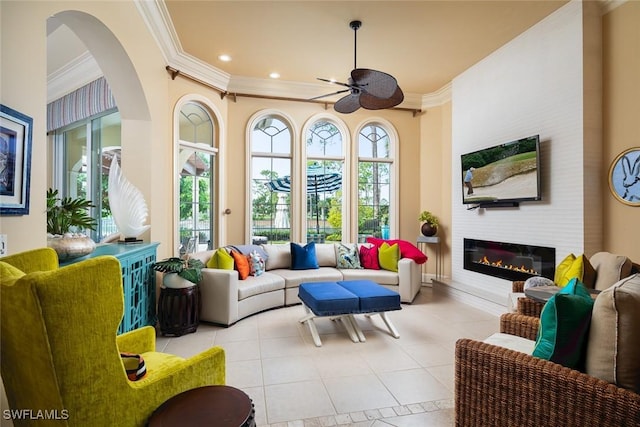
(462, 293)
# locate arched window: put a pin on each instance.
(375, 181)
(324, 179)
(271, 183)
(196, 168)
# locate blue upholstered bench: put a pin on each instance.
(341, 300)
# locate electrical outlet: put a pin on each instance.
(3, 244)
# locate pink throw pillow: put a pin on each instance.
(407, 249)
(369, 257)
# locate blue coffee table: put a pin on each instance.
(342, 300)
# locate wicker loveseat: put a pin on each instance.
(495, 386)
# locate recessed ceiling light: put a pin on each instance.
(274, 75)
(224, 58)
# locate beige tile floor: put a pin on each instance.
(382, 382)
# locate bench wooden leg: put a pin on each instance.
(308, 319)
(392, 329)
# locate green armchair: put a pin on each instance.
(61, 355)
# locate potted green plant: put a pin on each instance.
(178, 271)
(429, 223)
(67, 217)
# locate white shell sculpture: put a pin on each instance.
(128, 207)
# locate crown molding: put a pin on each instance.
(607, 6)
(73, 75)
(156, 17)
(437, 98)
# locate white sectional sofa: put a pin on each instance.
(227, 299)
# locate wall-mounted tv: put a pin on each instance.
(502, 175)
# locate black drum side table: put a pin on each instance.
(179, 310)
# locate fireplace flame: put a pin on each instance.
(498, 264)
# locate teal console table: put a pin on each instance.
(138, 281)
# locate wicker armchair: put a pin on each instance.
(495, 386)
(526, 305)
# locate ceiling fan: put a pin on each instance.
(370, 89)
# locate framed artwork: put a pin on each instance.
(624, 177)
(15, 161)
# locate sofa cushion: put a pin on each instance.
(610, 268)
(512, 342)
(241, 264)
(613, 353)
(388, 256)
(562, 268)
(9, 273)
(564, 325)
(326, 254)
(579, 268)
(407, 249)
(293, 278)
(347, 256)
(259, 285)
(221, 259)
(256, 263)
(369, 257)
(279, 256)
(382, 277)
(303, 257)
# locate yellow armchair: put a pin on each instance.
(61, 355)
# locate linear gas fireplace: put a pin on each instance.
(510, 261)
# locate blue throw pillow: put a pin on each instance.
(564, 325)
(303, 258)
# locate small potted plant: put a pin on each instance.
(66, 219)
(178, 271)
(429, 223)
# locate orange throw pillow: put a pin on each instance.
(241, 264)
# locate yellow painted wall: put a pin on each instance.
(621, 46)
(240, 113)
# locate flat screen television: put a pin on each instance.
(502, 175)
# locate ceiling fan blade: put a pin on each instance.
(329, 94)
(334, 82)
(348, 104)
(371, 102)
(376, 83)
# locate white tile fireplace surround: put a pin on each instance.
(544, 82)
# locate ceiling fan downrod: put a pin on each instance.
(354, 26)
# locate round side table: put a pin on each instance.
(218, 405)
(179, 310)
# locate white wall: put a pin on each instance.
(533, 85)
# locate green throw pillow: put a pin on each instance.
(564, 325)
(389, 256)
(221, 259)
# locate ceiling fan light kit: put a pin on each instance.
(369, 89)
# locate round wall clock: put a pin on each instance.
(624, 177)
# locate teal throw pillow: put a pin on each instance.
(564, 325)
(256, 263)
(303, 257)
(348, 257)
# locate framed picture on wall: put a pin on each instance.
(15, 161)
(624, 177)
